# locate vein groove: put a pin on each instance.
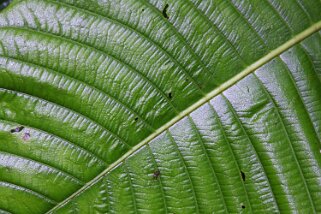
(253, 147)
(139, 33)
(25, 189)
(289, 142)
(250, 69)
(227, 142)
(159, 178)
(300, 96)
(59, 138)
(70, 110)
(169, 134)
(66, 174)
(84, 83)
(219, 30)
(86, 46)
(131, 187)
(201, 141)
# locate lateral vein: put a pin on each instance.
(250, 69)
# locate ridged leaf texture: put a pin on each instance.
(160, 106)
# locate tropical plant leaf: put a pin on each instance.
(136, 106)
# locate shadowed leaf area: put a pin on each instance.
(160, 106)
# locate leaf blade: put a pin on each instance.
(170, 70)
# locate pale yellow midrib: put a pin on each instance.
(276, 52)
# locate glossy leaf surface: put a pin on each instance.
(160, 106)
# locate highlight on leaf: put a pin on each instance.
(160, 106)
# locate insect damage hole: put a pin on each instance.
(18, 129)
(170, 95)
(165, 11)
(243, 207)
(156, 174)
(243, 175)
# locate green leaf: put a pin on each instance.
(136, 106)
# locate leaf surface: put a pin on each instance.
(160, 106)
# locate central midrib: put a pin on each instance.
(250, 69)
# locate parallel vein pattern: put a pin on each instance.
(250, 149)
(84, 83)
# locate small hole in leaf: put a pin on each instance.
(156, 174)
(136, 119)
(18, 129)
(170, 95)
(143, 10)
(165, 11)
(243, 207)
(243, 176)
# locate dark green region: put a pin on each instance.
(4, 4)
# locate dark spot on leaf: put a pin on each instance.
(156, 174)
(243, 207)
(143, 10)
(26, 136)
(136, 119)
(18, 129)
(4, 3)
(165, 11)
(243, 176)
(170, 95)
